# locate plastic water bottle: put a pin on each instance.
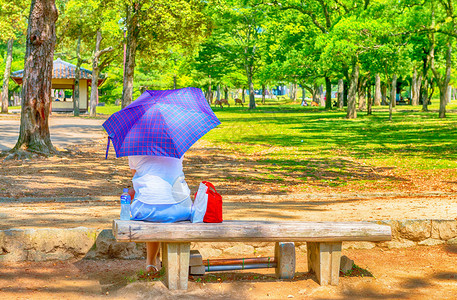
(125, 205)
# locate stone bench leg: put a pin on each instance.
(285, 260)
(324, 259)
(175, 261)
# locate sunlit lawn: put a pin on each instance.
(291, 135)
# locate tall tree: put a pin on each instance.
(12, 23)
(96, 68)
(34, 133)
(153, 26)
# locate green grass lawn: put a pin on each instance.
(312, 144)
(290, 135)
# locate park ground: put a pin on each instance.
(376, 173)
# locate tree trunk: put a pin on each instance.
(328, 93)
(133, 31)
(96, 69)
(423, 94)
(251, 87)
(351, 110)
(316, 93)
(369, 99)
(210, 94)
(443, 82)
(377, 92)
(292, 92)
(243, 95)
(218, 92)
(77, 77)
(263, 93)
(321, 95)
(6, 76)
(345, 93)
(226, 96)
(393, 93)
(340, 93)
(34, 133)
(174, 81)
(362, 93)
(418, 90)
(384, 94)
(414, 91)
(303, 94)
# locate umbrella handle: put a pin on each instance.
(107, 147)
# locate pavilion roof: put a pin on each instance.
(61, 70)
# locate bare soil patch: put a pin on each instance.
(413, 273)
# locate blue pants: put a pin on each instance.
(161, 213)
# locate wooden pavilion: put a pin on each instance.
(63, 79)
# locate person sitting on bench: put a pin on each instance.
(160, 195)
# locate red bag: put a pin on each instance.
(213, 212)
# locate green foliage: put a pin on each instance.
(13, 16)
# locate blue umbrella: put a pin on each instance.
(161, 123)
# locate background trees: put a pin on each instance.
(237, 45)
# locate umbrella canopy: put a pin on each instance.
(161, 123)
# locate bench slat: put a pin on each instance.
(250, 231)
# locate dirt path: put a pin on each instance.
(98, 212)
(432, 274)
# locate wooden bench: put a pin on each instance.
(324, 242)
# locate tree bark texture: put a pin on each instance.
(77, 77)
(377, 91)
(316, 93)
(361, 91)
(321, 95)
(6, 75)
(424, 95)
(133, 31)
(226, 94)
(328, 93)
(249, 74)
(352, 109)
(293, 92)
(96, 69)
(443, 81)
(393, 93)
(243, 95)
(369, 98)
(34, 133)
(384, 94)
(210, 93)
(263, 93)
(345, 93)
(414, 91)
(340, 93)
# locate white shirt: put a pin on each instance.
(158, 179)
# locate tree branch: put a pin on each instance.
(309, 13)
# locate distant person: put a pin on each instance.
(304, 103)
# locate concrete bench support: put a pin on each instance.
(175, 261)
(285, 260)
(324, 259)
